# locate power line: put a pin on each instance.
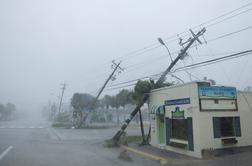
(120, 87)
(196, 65)
(231, 33)
(161, 80)
(227, 18)
(211, 40)
(156, 45)
(171, 38)
(216, 60)
(140, 78)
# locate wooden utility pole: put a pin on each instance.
(144, 141)
(115, 66)
(63, 90)
(160, 81)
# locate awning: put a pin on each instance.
(155, 109)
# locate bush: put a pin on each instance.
(64, 117)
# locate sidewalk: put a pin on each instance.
(165, 157)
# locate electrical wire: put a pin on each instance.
(171, 38)
(177, 51)
(246, 100)
(216, 60)
(196, 65)
(168, 39)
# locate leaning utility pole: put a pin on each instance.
(115, 66)
(63, 90)
(161, 80)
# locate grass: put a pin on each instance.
(69, 125)
(124, 140)
(110, 143)
(95, 127)
(134, 139)
(61, 125)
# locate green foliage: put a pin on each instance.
(124, 140)
(106, 101)
(62, 125)
(97, 117)
(2, 108)
(63, 117)
(142, 88)
(121, 99)
(10, 107)
(82, 101)
(6, 111)
(131, 97)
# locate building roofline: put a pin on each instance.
(178, 85)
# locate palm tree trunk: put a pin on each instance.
(142, 128)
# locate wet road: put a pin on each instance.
(37, 144)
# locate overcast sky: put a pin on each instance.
(44, 43)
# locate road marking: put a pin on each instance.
(5, 152)
(23, 127)
(53, 134)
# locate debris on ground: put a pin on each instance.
(124, 156)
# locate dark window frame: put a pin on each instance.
(178, 136)
(227, 127)
(235, 130)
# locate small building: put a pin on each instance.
(196, 116)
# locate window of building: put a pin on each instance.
(227, 126)
(179, 129)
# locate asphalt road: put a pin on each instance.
(35, 143)
(25, 143)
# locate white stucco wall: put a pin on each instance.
(202, 121)
(158, 97)
(245, 114)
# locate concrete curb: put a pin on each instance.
(162, 160)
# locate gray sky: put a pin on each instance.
(44, 43)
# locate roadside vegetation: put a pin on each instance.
(124, 140)
(7, 111)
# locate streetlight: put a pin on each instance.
(162, 42)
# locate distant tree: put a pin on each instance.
(106, 101)
(2, 109)
(7, 111)
(123, 97)
(82, 101)
(115, 102)
(130, 98)
(248, 89)
(10, 107)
